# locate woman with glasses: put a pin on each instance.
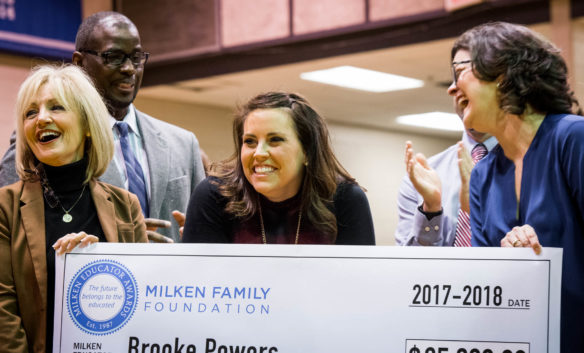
(64, 143)
(529, 191)
(283, 184)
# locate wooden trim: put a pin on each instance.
(561, 25)
(219, 23)
(419, 28)
(89, 7)
(577, 8)
(367, 7)
(117, 5)
(291, 18)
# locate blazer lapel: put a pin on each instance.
(32, 214)
(157, 153)
(112, 175)
(105, 211)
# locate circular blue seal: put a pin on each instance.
(102, 297)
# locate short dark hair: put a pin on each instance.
(321, 177)
(529, 68)
(87, 27)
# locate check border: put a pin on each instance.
(118, 253)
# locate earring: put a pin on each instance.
(306, 163)
(88, 134)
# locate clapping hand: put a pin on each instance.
(425, 179)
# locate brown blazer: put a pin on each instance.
(23, 268)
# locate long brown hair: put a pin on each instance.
(321, 177)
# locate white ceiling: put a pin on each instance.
(427, 61)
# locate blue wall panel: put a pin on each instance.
(43, 28)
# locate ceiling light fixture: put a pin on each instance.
(433, 120)
(362, 79)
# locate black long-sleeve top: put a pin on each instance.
(208, 222)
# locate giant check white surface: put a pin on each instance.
(310, 299)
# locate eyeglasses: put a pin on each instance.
(456, 73)
(115, 58)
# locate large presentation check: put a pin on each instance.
(310, 299)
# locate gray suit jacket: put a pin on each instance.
(175, 167)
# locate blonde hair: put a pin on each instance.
(73, 89)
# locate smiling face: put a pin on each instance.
(118, 85)
(55, 135)
(459, 100)
(474, 100)
(271, 154)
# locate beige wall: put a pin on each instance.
(373, 157)
(376, 159)
(211, 125)
(578, 52)
(13, 70)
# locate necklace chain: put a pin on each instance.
(297, 227)
(67, 217)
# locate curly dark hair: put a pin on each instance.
(321, 176)
(529, 69)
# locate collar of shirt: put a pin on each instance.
(130, 119)
(469, 142)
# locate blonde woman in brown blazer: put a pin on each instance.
(64, 142)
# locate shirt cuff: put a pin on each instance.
(429, 215)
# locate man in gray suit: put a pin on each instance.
(168, 156)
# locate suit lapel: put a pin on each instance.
(105, 211)
(33, 220)
(112, 175)
(157, 153)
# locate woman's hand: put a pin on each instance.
(523, 236)
(68, 242)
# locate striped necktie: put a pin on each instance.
(136, 181)
(463, 225)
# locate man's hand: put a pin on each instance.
(523, 236)
(425, 179)
(465, 165)
(157, 237)
(152, 224)
(68, 242)
(180, 218)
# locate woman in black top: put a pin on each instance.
(282, 185)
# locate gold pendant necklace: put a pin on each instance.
(297, 227)
(67, 217)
